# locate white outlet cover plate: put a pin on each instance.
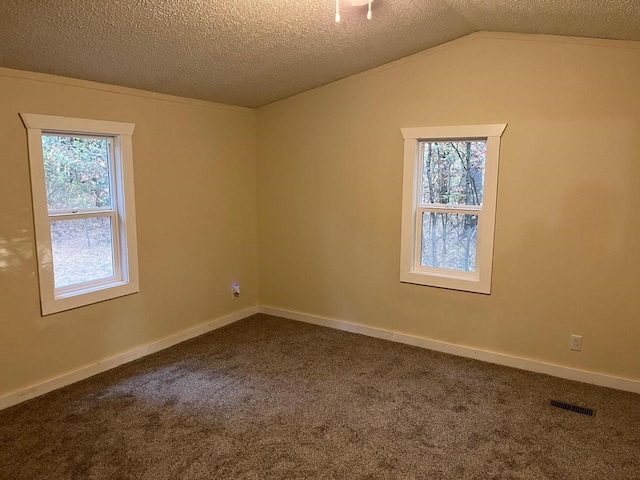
(576, 342)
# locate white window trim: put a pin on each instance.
(410, 269)
(54, 300)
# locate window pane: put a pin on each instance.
(453, 172)
(76, 172)
(82, 250)
(449, 241)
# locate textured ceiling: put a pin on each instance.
(253, 52)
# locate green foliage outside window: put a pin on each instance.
(76, 172)
(452, 174)
(77, 177)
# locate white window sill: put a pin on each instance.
(80, 298)
(465, 283)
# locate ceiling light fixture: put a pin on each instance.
(354, 3)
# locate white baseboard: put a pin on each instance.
(483, 355)
(103, 365)
(492, 357)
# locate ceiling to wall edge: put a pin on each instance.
(118, 89)
(437, 49)
(105, 87)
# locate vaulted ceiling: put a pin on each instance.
(253, 52)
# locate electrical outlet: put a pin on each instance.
(235, 291)
(576, 342)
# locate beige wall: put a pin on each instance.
(567, 230)
(329, 178)
(195, 183)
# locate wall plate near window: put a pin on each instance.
(84, 211)
(448, 206)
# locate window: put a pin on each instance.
(448, 206)
(83, 207)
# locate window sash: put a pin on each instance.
(443, 208)
(113, 192)
(96, 212)
(420, 189)
(417, 254)
(116, 253)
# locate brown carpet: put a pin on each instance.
(268, 398)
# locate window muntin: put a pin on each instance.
(84, 212)
(448, 211)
